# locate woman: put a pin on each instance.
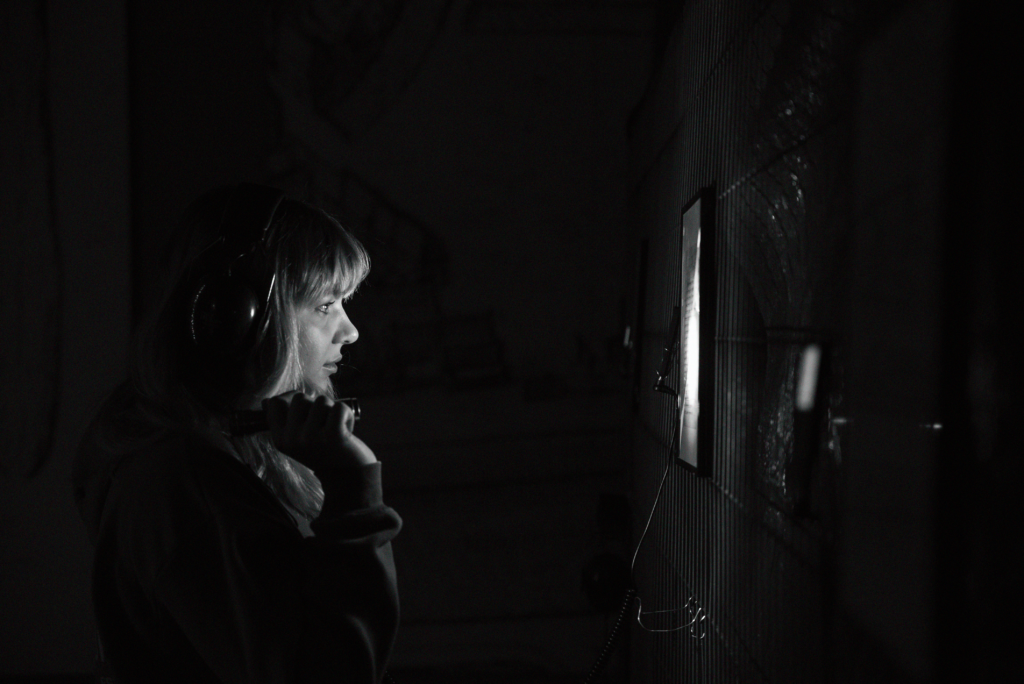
(225, 557)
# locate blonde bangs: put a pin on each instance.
(333, 263)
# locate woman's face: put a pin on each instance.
(324, 328)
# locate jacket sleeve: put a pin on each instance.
(259, 602)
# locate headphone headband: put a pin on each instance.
(229, 299)
(248, 214)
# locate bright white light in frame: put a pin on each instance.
(689, 336)
(692, 355)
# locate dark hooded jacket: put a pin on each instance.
(202, 575)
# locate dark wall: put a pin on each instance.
(202, 114)
(980, 479)
(64, 302)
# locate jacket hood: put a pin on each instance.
(121, 429)
(117, 430)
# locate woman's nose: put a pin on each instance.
(346, 333)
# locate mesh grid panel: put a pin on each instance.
(752, 99)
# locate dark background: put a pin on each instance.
(517, 171)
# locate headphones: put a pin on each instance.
(228, 300)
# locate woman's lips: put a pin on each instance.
(331, 367)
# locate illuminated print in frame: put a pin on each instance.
(696, 333)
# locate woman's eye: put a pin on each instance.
(323, 308)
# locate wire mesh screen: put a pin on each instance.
(752, 100)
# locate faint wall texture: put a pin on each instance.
(64, 215)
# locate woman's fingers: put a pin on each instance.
(312, 430)
(276, 409)
(298, 410)
(342, 418)
(315, 419)
(348, 418)
(287, 414)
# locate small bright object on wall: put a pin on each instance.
(807, 378)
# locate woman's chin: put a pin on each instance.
(321, 384)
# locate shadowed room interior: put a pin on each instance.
(814, 484)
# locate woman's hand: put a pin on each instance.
(315, 432)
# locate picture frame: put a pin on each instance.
(697, 321)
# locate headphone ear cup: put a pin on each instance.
(223, 315)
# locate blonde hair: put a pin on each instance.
(311, 255)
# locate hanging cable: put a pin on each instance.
(695, 611)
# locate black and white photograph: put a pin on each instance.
(510, 342)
